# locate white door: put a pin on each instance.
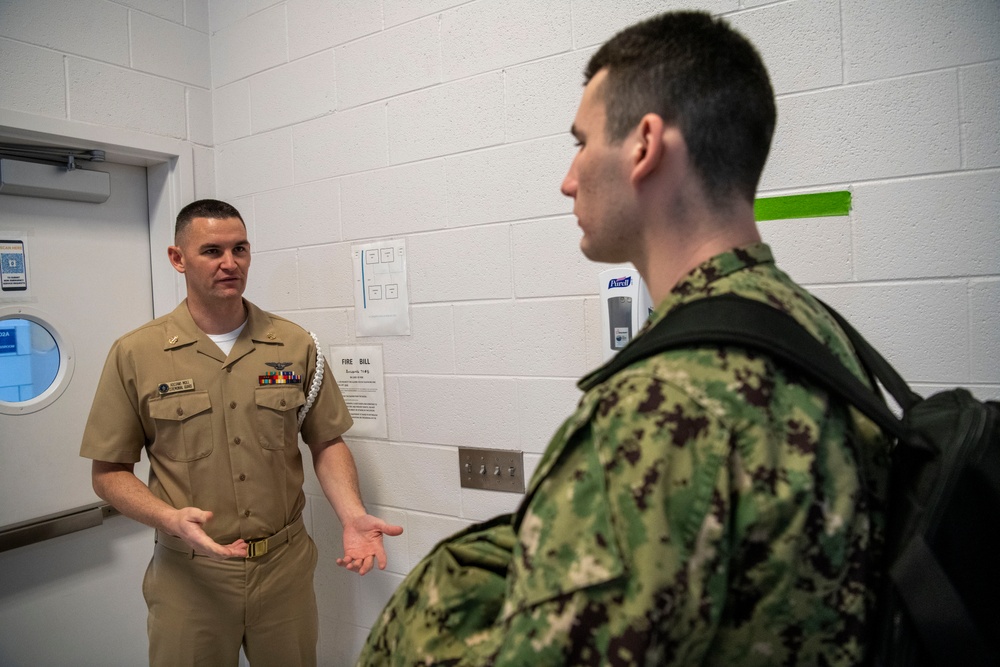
(88, 277)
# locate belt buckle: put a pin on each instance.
(256, 548)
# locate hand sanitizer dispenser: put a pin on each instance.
(625, 306)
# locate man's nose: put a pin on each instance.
(228, 261)
(569, 183)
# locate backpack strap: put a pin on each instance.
(729, 319)
(876, 364)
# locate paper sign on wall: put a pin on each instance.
(13, 266)
(381, 295)
(358, 371)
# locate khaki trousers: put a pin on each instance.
(202, 610)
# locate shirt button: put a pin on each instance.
(232, 404)
(180, 411)
(282, 402)
(237, 440)
(243, 478)
(229, 369)
(246, 513)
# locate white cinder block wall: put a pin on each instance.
(140, 66)
(445, 123)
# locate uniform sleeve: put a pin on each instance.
(328, 417)
(114, 431)
(623, 549)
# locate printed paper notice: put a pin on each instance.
(381, 296)
(358, 371)
(13, 274)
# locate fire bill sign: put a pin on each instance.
(358, 371)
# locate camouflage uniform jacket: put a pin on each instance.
(701, 507)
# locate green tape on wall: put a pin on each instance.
(817, 205)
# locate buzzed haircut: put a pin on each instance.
(697, 73)
(204, 208)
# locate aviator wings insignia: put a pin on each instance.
(278, 365)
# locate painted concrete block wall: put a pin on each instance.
(139, 65)
(445, 123)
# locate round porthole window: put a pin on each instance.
(36, 361)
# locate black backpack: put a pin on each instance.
(941, 603)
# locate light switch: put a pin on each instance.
(491, 469)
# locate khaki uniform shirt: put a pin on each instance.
(218, 436)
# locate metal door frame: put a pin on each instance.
(169, 167)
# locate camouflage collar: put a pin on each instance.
(699, 281)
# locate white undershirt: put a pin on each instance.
(227, 340)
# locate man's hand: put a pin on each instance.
(363, 543)
(188, 524)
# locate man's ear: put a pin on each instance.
(648, 148)
(176, 258)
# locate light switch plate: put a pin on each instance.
(491, 469)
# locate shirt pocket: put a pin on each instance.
(183, 425)
(278, 415)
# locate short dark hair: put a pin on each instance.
(698, 73)
(204, 208)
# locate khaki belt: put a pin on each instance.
(255, 548)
